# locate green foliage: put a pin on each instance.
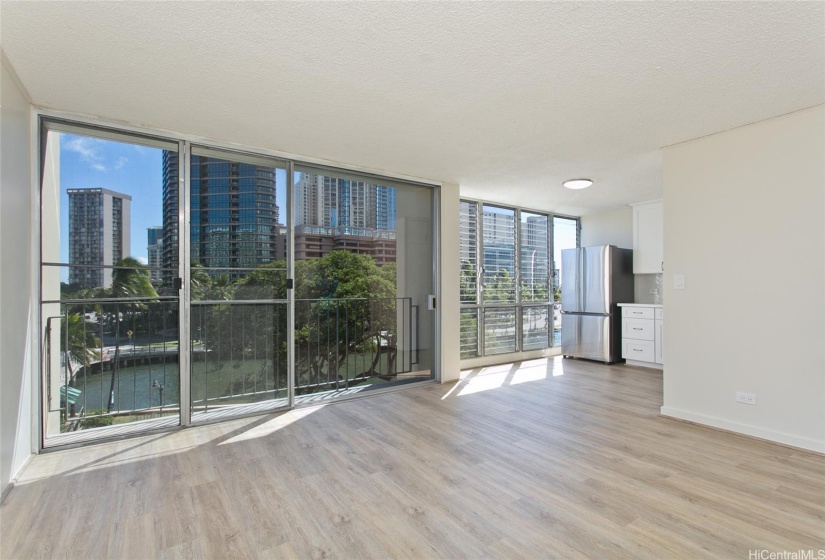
(535, 292)
(79, 340)
(341, 274)
(469, 335)
(199, 281)
(97, 422)
(344, 303)
(221, 288)
(133, 280)
(499, 287)
(467, 282)
(130, 279)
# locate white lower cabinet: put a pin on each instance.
(642, 334)
(639, 350)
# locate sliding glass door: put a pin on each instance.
(363, 283)
(238, 254)
(109, 299)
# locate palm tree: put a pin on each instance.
(79, 344)
(200, 281)
(222, 288)
(130, 279)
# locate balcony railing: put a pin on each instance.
(345, 342)
(114, 362)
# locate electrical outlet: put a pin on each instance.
(745, 398)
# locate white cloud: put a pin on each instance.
(88, 149)
(142, 260)
(121, 161)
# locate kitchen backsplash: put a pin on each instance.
(646, 282)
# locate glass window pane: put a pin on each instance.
(238, 256)
(469, 333)
(363, 270)
(535, 327)
(237, 223)
(534, 258)
(110, 317)
(565, 236)
(499, 250)
(239, 356)
(499, 330)
(468, 243)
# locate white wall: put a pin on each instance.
(745, 223)
(50, 276)
(16, 297)
(608, 228)
(448, 305)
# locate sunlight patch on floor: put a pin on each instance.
(492, 377)
(525, 374)
(484, 381)
(277, 423)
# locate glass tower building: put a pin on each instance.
(154, 250)
(234, 217)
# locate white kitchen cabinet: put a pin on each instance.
(648, 237)
(638, 350)
(638, 329)
(659, 322)
(643, 334)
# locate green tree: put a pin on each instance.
(130, 279)
(468, 282)
(221, 288)
(499, 287)
(344, 302)
(79, 343)
(469, 334)
(199, 281)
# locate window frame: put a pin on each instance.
(480, 306)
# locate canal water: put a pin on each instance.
(138, 387)
(133, 388)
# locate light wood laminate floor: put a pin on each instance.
(547, 458)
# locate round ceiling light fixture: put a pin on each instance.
(578, 183)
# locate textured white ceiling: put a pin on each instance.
(506, 99)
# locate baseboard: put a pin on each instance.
(6, 491)
(13, 481)
(791, 440)
(650, 365)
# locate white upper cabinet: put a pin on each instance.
(648, 237)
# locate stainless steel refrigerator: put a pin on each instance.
(593, 281)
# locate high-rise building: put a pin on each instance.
(499, 227)
(534, 254)
(99, 234)
(468, 232)
(332, 202)
(171, 207)
(499, 235)
(391, 209)
(155, 251)
(234, 217)
(332, 213)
